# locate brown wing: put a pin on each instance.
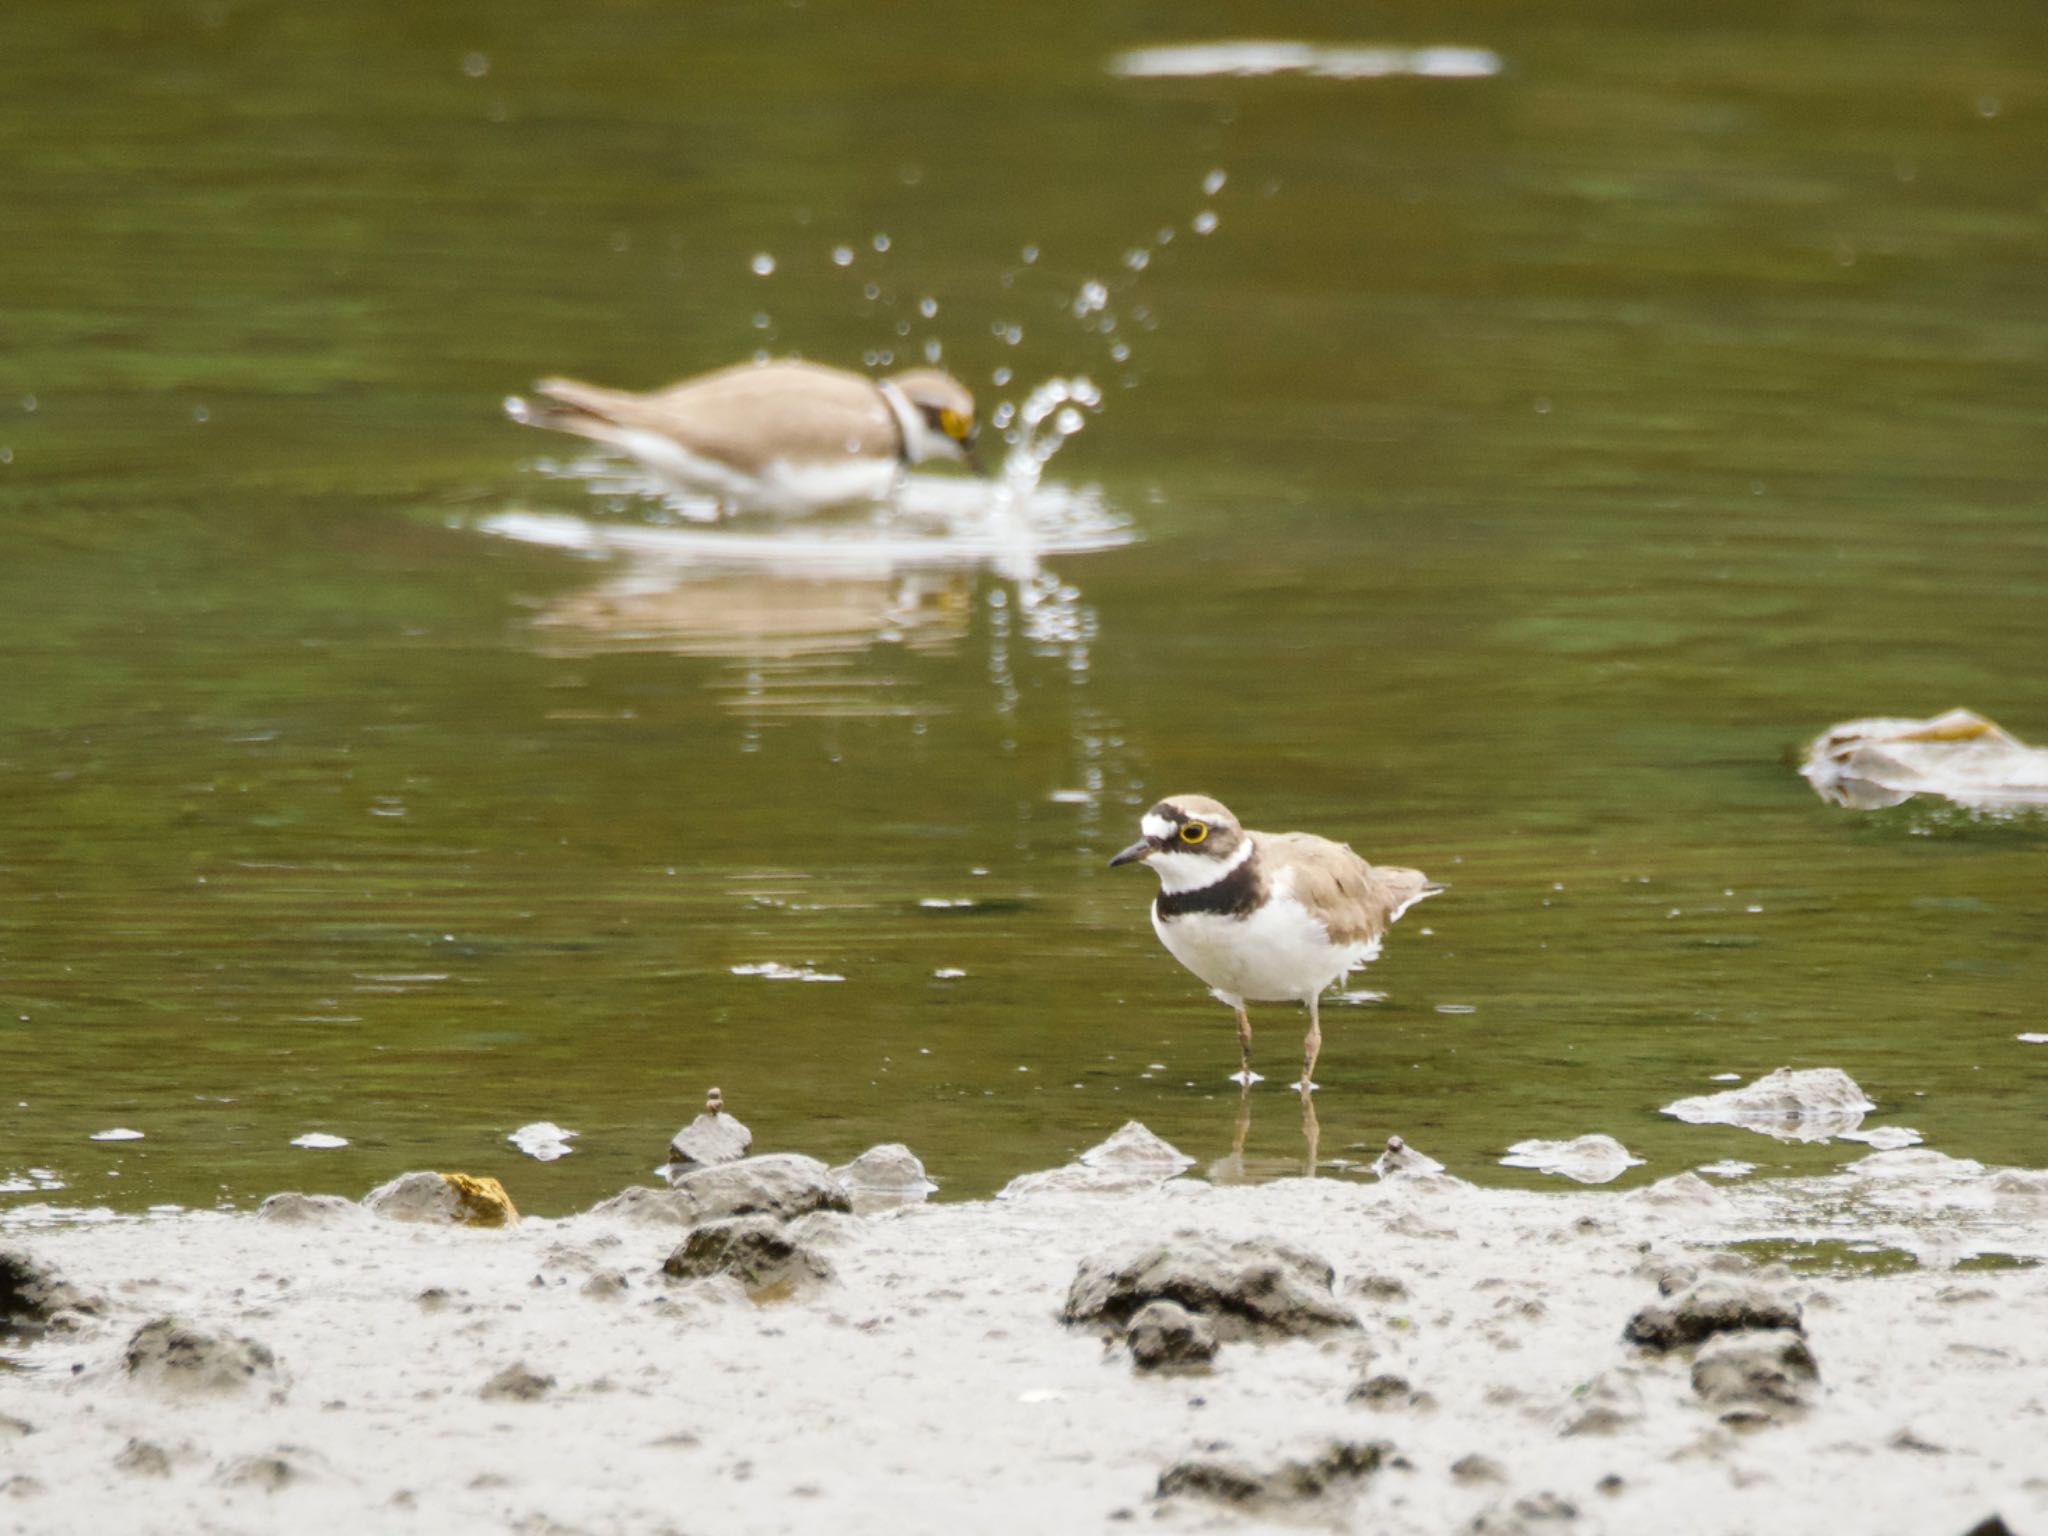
(1355, 900)
(748, 416)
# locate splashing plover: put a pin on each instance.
(782, 436)
(1265, 916)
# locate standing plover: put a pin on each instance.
(783, 436)
(1265, 916)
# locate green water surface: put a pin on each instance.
(1519, 472)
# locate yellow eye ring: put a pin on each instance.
(955, 425)
(1194, 832)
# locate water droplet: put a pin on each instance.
(842, 255)
(1030, 254)
(928, 307)
(1987, 106)
(1093, 296)
(1137, 258)
(881, 242)
(1213, 183)
(476, 65)
(1120, 353)
(1204, 222)
(902, 327)
(201, 414)
(1000, 377)
(761, 321)
(871, 292)
(932, 350)
(763, 265)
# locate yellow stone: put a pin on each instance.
(484, 1202)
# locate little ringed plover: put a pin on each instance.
(1265, 916)
(783, 436)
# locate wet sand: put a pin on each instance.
(549, 1378)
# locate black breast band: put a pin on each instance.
(1237, 894)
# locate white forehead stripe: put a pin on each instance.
(1155, 826)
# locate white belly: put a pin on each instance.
(1279, 953)
(781, 487)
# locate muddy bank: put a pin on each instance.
(1408, 1354)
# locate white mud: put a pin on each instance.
(375, 1375)
(1593, 1159)
(1818, 1104)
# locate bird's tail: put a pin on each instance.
(1419, 887)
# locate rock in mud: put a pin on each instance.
(1388, 1392)
(883, 1177)
(1593, 1159)
(276, 1470)
(1473, 1468)
(758, 1251)
(35, 1299)
(1226, 1479)
(644, 1206)
(1246, 1289)
(1792, 1106)
(308, 1210)
(1132, 1148)
(714, 1137)
(1708, 1308)
(174, 1356)
(1608, 1404)
(517, 1384)
(144, 1458)
(1131, 1159)
(1537, 1516)
(1771, 1368)
(1165, 1336)
(458, 1198)
(1682, 1191)
(1674, 1274)
(784, 1185)
(1379, 1287)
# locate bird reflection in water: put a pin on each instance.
(797, 605)
(1232, 1170)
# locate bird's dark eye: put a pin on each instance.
(1194, 832)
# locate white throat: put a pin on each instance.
(920, 442)
(1180, 872)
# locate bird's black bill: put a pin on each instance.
(1132, 854)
